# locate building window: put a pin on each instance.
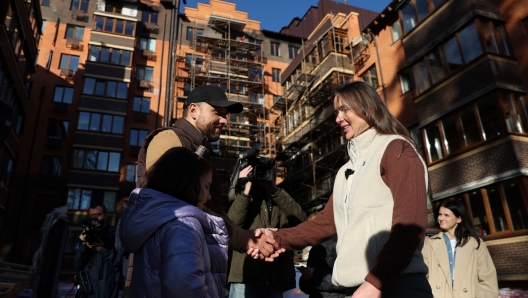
(470, 43)
(405, 81)
(192, 32)
(149, 17)
(275, 49)
(371, 77)
(144, 73)
(79, 199)
(495, 38)
(96, 160)
(105, 88)
(80, 5)
(137, 136)
(396, 30)
(276, 75)
(408, 17)
(63, 94)
(131, 175)
(109, 55)
(101, 122)
(147, 44)
(51, 166)
(113, 25)
(141, 104)
(69, 62)
(497, 209)
(45, 2)
(292, 51)
(475, 123)
(57, 129)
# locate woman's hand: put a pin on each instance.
(367, 290)
(243, 174)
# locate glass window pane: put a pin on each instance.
(145, 105)
(516, 204)
(104, 55)
(422, 7)
(109, 24)
(148, 73)
(111, 87)
(89, 85)
(136, 107)
(64, 61)
(93, 55)
(141, 136)
(110, 200)
(469, 123)
(480, 219)
(107, 123)
(74, 63)
(78, 158)
(113, 164)
(120, 26)
(89, 159)
(490, 118)
(451, 139)
(59, 93)
(115, 56)
(421, 80)
(396, 30)
(133, 137)
(79, 33)
(98, 24)
(94, 123)
(434, 147)
(131, 173)
(68, 95)
(125, 58)
(496, 208)
(152, 44)
(70, 30)
(99, 88)
(74, 195)
(85, 199)
(437, 3)
(435, 66)
(117, 126)
(407, 13)
(143, 43)
(521, 105)
(470, 43)
(122, 89)
(140, 73)
(102, 161)
(84, 120)
(453, 58)
(129, 28)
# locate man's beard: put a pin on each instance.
(208, 130)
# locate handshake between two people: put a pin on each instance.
(262, 245)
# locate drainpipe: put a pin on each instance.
(379, 64)
(173, 35)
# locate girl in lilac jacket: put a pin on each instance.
(179, 250)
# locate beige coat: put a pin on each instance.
(475, 274)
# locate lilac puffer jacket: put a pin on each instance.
(179, 250)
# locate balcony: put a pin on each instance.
(80, 15)
(144, 84)
(149, 55)
(67, 74)
(74, 44)
(151, 27)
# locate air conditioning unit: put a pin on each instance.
(151, 27)
(144, 84)
(79, 15)
(149, 54)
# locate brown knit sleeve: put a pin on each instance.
(403, 172)
(312, 232)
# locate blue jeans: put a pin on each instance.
(240, 290)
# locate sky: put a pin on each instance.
(275, 14)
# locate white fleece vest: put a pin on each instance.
(363, 207)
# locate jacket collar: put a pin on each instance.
(358, 145)
(196, 136)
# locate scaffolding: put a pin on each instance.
(224, 54)
(309, 145)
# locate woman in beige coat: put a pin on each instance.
(458, 260)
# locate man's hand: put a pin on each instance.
(263, 246)
(307, 272)
(367, 290)
(243, 174)
(83, 241)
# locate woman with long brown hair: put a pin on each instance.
(378, 208)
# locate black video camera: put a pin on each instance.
(263, 167)
(92, 229)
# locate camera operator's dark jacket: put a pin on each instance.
(105, 272)
(260, 211)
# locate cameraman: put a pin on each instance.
(97, 257)
(261, 204)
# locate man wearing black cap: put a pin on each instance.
(204, 116)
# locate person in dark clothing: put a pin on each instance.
(261, 204)
(99, 259)
(316, 279)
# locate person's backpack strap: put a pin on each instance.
(161, 142)
(128, 278)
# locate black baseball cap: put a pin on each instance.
(214, 96)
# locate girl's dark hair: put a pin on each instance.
(465, 228)
(367, 104)
(177, 173)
